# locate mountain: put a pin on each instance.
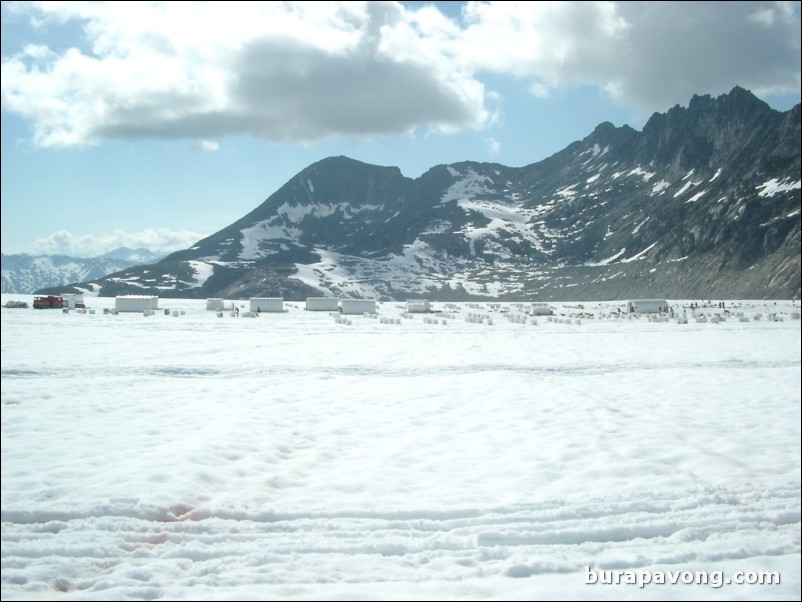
(135, 256)
(23, 274)
(704, 202)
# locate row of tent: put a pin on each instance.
(346, 306)
(276, 305)
(140, 303)
(361, 306)
(144, 303)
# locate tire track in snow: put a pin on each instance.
(128, 546)
(214, 372)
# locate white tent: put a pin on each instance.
(267, 304)
(418, 306)
(647, 306)
(215, 304)
(541, 309)
(135, 303)
(358, 306)
(322, 303)
(73, 300)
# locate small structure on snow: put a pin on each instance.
(322, 303)
(16, 305)
(136, 303)
(267, 304)
(647, 306)
(215, 304)
(358, 306)
(73, 300)
(541, 309)
(418, 306)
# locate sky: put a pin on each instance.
(290, 457)
(149, 124)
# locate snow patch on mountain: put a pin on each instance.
(594, 151)
(256, 237)
(203, 271)
(659, 188)
(295, 214)
(638, 227)
(684, 189)
(471, 185)
(417, 269)
(608, 260)
(507, 222)
(640, 255)
(775, 186)
(696, 197)
(639, 171)
(566, 192)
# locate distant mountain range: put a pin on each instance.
(24, 274)
(703, 203)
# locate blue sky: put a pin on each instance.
(151, 124)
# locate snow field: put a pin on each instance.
(288, 457)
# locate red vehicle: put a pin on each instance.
(49, 302)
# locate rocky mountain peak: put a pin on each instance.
(704, 201)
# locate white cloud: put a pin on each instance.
(493, 145)
(538, 90)
(295, 72)
(302, 72)
(208, 146)
(649, 55)
(92, 245)
(679, 49)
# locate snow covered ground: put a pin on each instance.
(290, 457)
